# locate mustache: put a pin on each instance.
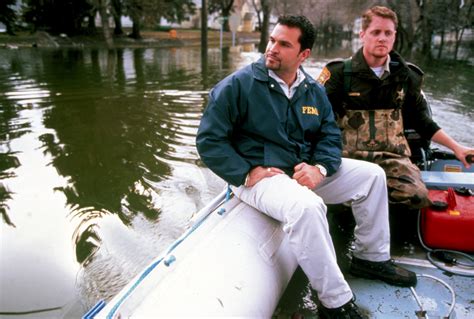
(271, 55)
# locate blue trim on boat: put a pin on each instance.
(94, 310)
(132, 288)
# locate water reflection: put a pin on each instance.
(98, 167)
(19, 95)
(107, 139)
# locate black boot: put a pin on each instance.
(387, 271)
(346, 311)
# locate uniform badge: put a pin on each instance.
(400, 95)
(324, 76)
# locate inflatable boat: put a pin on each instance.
(234, 261)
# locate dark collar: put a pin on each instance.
(359, 65)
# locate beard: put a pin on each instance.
(272, 62)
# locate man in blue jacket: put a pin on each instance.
(270, 132)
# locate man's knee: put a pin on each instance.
(307, 209)
(371, 172)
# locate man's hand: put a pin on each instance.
(308, 175)
(462, 153)
(259, 172)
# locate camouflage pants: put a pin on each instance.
(378, 136)
(404, 183)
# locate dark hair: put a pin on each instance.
(379, 11)
(308, 33)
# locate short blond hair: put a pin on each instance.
(378, 11)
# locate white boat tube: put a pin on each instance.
(234, 261)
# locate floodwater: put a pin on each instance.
(98, 166)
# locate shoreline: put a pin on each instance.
(150, 39)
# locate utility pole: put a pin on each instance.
(204, 42)
(204, 27)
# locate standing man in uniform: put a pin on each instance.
(269, 131)
(375, 95)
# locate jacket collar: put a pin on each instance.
(396, 64)
(260, 72)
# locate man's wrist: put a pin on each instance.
(322, 170)
(246, 182)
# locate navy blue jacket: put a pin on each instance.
(250, 122)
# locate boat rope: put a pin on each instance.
(445, 255)
(165, 257)
(422, 312)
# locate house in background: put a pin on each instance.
(242, 8)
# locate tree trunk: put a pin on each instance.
(10, 29)
(204, 64)
(117, 14)
(459, 35)
(405, 30)
(204, 27)
(441, 44)
(265, 25)
(426, 29)
(226, 10)
(226, 15)
(91, 28)
(136, 28)
(104, 18)
(258, 11)
(118, 26)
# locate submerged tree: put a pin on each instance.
(445, 18)
(101, 6)
(117, 13)
(225, 8)
(57, 16)
(134, 9)
(463, 22)
(8, 15)
(178, 10)
(263, 8)
(149, 12)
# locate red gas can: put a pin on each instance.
(449, 223)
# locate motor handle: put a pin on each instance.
(443, 155)
(470, 159)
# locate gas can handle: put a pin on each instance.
(451, 199)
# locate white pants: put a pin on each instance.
(303, 214)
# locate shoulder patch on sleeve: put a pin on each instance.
(415, 68)
(324, 76)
